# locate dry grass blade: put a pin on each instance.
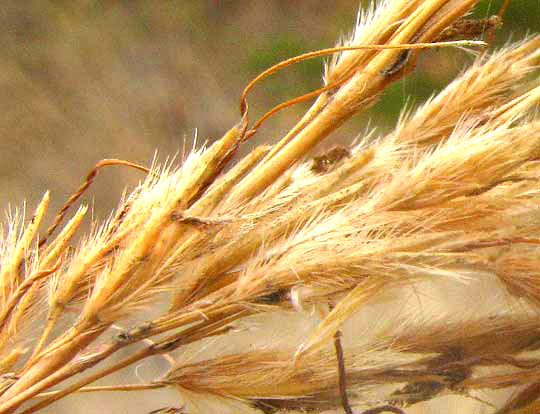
(446, 201)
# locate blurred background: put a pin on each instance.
(84, 80)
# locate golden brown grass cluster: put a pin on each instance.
(362, 245)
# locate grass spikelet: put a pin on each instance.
(375, 248)
(312, 383)
(484, 87)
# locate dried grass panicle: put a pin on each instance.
(447, 200)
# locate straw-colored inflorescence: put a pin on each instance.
(448, 201)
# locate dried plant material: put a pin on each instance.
(447, 200)
(470, 28)
(342, 374)
(325, 162)
(306, 383)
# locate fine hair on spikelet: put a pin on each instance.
(357, 250)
